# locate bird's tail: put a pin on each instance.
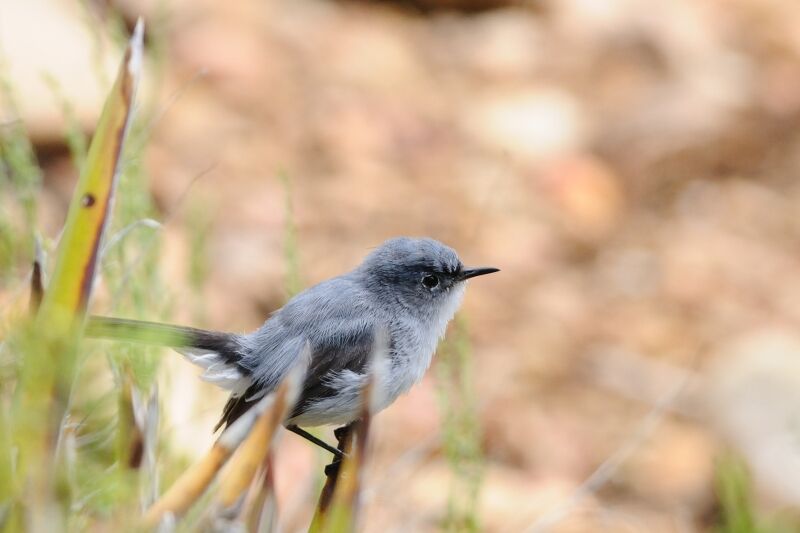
(156, 333)
(217, 352)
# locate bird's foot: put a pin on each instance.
(342, 433)
(332, 469)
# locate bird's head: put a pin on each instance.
(421, 274)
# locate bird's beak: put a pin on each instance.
(473, 272)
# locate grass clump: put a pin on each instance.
(20, 180)
(58, 458)
(736, 502)
(461, 432)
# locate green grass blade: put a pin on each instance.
(461, 432)
(72, 279)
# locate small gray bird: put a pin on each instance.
(408, 288)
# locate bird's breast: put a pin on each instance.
(413, 349)
(415, 342)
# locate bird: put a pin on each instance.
(405, 291)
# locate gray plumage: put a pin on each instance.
(408, 288)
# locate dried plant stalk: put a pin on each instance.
(250, 455)
(189, 486)
(259, 512)
(260, 422)
(332, 472)
(337, 509)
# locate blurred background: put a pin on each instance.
(631, 167)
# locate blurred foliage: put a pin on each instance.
(130, 266)
(294, 283)
(737, 505)
(199, 223)
(20, 179)
(74, 135)
(735, 497)
(41, 484)
(461, 431)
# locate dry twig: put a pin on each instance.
(255, 428)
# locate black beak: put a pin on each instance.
(473, 272)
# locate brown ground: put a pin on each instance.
(632, 168)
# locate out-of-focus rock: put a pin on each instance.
(59, 41)
(517, 500)
(675, 467)
(754, 401)
(779, 88)
(501, 45)
(529, 124)
(454, 5)
(682, 83)
(588, 195)
(372, 57)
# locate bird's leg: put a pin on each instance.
(338, 454)
(332, 470)
(342, 435)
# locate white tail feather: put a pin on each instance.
(217, 370)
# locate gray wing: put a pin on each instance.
(335, 318)
(329, 359)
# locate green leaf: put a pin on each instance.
(49, 345)
(72, 279)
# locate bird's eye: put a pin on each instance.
(430, 281)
